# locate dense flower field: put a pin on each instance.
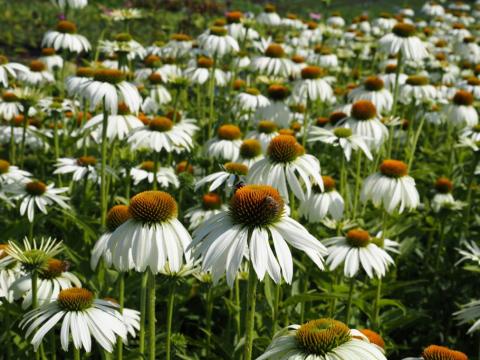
(271, 188)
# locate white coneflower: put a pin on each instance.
(36, 195)
(237, 29)
(123, 47)
(116, 216)
(390, 246)
(269, 16)
(10, 174)
(146, 171)
(250, 152)
(356, 249)
(151, 63)
(211, 206)
(231, 174)
(10, 270)
(217, 42)
(38, 74)
(84, 166)
(251, 99)
(391, 188)
(75, 83)
(402, 40)
(287, 167)
(201, 72)
(226, 145)
(110, 87)
(435, 352)
(323, 56)
(255, 213)
(183, 123)
(390, 77)
(461, 112)
(161, 134)
(10, 69)
(65, 37)
(417, 90)
(53, 278)
(469, 313)
(119, 126)
(375, 339)
(364, 121)
(472, 133)
(472, 85)
(343, 137)
(321, 203)
(273, 63)
(277, 111)
(471, 253)
(312, 86)
(51, 59)
(72, 4)
(152, 237)
(373, 89)
(82, 317)
(322, 339)
(443, 198)
(158, 93)
(131, 318)
(10, 106)
(125, 14)
(265, 132)
(433, 9)
(178, 46)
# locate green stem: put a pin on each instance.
(208, 317)
(306, 123)
(30, 229)
(155, 170)
(358, 181)
(276, 302)
(211, 92)
(24, 135)
(349, 301)
(238, 321)
(376, 308)
(397, 76)
(469, 200)
(103, 173)
(441, 241)
(250, 313)
(121, 302)
(143, 309)
(13, 147)
(76, 353)
(170, 303)
(415, 141)
(151, 316)
(53, 344)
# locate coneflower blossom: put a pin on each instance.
(322, 339)
(37, 195)
(65, 37)
(364, 121)
(152, 238)
(82, 317)
(391, 188)
(285, 167)
(357, 250)
(402, 40)
(255, 213)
